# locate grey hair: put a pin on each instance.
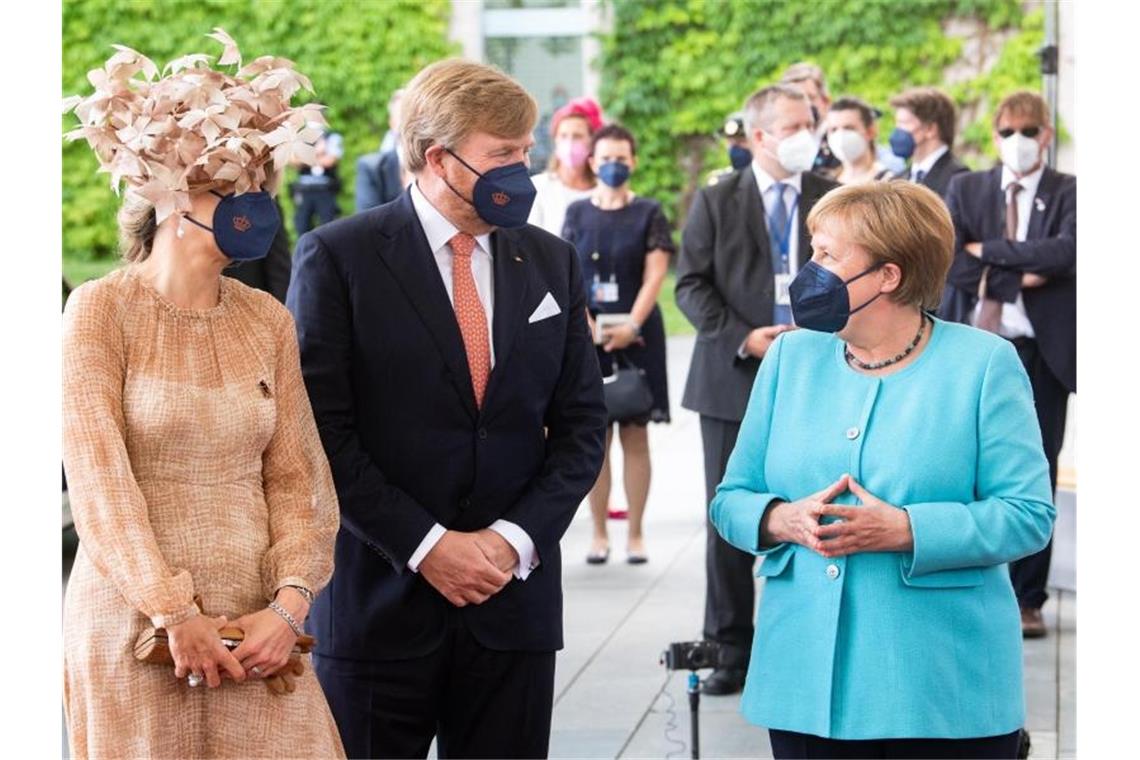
(757, 109)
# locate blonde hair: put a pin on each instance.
(1023, 103)
(137, 228)
(901, 223)
(805, 72)
(450, 100)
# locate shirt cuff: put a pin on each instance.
(517, 538)
(742, 352)
(429, 542)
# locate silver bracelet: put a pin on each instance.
(304, 592)
(284, 613)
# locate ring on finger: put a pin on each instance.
(256, 671)
(194, 680)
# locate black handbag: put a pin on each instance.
(627, 391)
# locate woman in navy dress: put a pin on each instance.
(624, 244)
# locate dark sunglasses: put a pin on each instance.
(1027, 131)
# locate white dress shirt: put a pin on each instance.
(551, 200)
(792, 189)
(439, 232)
(1014, 319)
(926, 164)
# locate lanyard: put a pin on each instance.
(604, 241)
(783, 241)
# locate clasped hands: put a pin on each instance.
(873, 527)
(268, 641)
(469, 568)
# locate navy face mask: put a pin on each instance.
(244, 225)
(502, 197)
(613, 173)
(902, 143)
(820, 300)
(739, 156)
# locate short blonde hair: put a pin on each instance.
(452, 99)
(806, 72)
(1024, 103)
(901, 223)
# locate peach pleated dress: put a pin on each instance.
(194, 467)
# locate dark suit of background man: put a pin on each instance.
(925, 123)
(744, 240)
(1015, 269)
(379, 175)
(458, 396)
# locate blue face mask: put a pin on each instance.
(902, 143)
(244, 225)
(820, 300)
(739, 156)
(502, 197)
(613, 173)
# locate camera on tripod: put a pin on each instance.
(691, 655)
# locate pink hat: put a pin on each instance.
(586, 108)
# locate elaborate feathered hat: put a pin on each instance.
(195, 128)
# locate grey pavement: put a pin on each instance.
(613, 699)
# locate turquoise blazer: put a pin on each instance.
(882, 645)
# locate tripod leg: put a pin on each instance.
(694, 716)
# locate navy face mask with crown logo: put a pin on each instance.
(244, 225)
(502, 196)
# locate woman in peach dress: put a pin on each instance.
(193, 461)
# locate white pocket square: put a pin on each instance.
(548, 308)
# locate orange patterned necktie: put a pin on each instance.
(470, 314)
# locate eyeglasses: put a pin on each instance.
(1027, 131)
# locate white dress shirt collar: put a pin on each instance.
(926, 164)
(1028, 183)
(438, 230)
(764, 180)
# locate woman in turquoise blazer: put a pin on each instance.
(889, 466)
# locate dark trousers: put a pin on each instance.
(1030, 574)
(730, 591)
(477, 702)
(789, 744)
(314, 201)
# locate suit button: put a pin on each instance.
(833, 571)
(482, 434)
(465, 502)
(852, 433)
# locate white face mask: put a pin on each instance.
(797, 152)
(1019, 152)
(847, 145)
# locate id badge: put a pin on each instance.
(605, 292)
(783, 283)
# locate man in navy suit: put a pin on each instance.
(1015, 273)
(446, 353)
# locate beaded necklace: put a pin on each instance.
(850, 357)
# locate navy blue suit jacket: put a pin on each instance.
(386, 371)
(977, 205)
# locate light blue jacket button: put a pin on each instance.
(833, 571)
(852, 433)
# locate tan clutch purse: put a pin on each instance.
(153, 646)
